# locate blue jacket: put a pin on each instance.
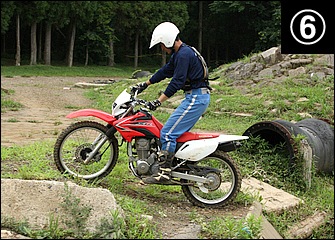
(183, 64)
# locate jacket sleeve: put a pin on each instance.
(179, 77)
(165, 72)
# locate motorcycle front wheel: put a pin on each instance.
(224, 181)
(74, 145)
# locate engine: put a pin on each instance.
(146, 156)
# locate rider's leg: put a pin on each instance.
(181, 120)
(164, 173)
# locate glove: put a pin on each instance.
(140, 87)
(153, 105)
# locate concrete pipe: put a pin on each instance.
(319, 135)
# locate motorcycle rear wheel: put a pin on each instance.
(75, 143)
(224, 186)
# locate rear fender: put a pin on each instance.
(109, 118)
(196, 150)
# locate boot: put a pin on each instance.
(164, 171)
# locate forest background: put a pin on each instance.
(108, 33)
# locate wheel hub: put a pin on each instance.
(214, 181)
(83, 151)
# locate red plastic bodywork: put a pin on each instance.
(109, 118)
(137, 125)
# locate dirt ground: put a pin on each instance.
(47, 100)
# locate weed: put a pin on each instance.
(13, 120)
(78, 214)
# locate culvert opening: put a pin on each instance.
(274, 134)
(319, 135)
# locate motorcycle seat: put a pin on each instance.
(188, 136)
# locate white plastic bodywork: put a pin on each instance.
(119, 101)
(195, 150)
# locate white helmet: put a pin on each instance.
(165, 33)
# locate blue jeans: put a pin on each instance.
(184, 118)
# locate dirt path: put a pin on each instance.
(47, 100)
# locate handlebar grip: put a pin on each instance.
(142, 102)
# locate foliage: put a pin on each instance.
(78, 214)
(7, 11)
(260, 20)
(122, 29)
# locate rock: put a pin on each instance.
(274, 65)
(272, 55)
(140, 74)
(5, 234)
(37, 200)
(273, 199)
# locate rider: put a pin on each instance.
(187, 73)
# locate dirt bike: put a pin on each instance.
(88, 149)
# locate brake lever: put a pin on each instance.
(142, 102)
(134, 91)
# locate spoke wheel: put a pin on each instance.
(74, 145)
(224, 181)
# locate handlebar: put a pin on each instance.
(134, 93)
(142, 102)
(137, 101)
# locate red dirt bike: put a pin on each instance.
(87, 149)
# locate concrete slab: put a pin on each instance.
(268, 231)
(273, 199)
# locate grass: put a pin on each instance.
(48, 71)
(286, 100)
(7, 104)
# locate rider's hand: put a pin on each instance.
(140, 87)
(153, 105)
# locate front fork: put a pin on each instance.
(99, 142)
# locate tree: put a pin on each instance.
(55, 16)
(18, 10)
(119, 31)
(34, 13)
(18, 46)
(96, 37)
(252, 25)
(78, 11)
(7, 12)
(136, 20)
(200, 26)
(175, 12)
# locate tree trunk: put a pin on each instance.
(200, 26)
(111, 61)
(86, 53)
(3, 46)
(208, 54)
(216, 55)
(18, 46)
(47, 44)
(136, 50)
(40, 43)
(72, 31)
(140, 48)
(33, 44)
(163, 57)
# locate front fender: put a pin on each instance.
(109, 118)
